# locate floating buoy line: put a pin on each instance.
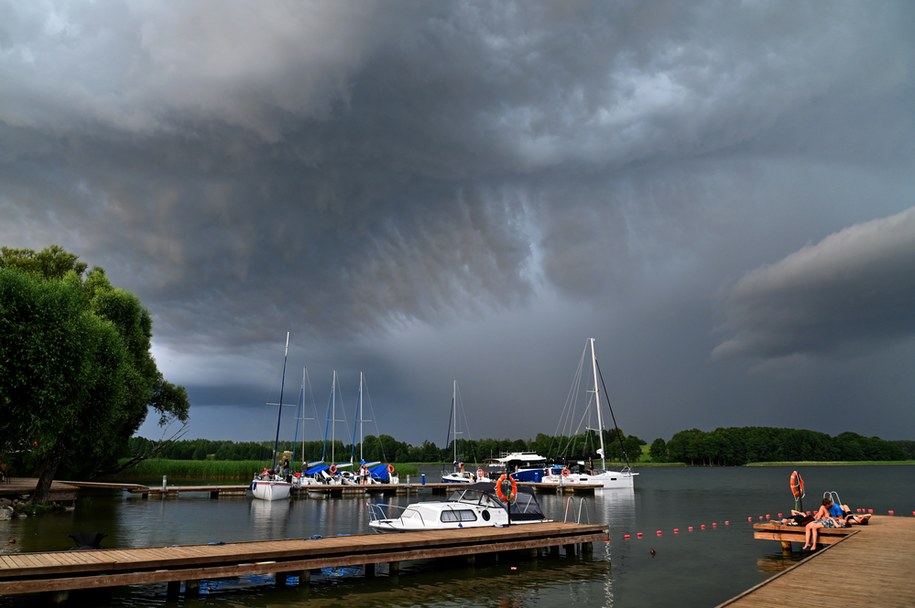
(727, 522)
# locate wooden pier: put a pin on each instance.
(867, 566)
(59, 572)
(67, 491)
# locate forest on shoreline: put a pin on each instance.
(733, 446)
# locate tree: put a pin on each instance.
(77, 376)
(658, 450)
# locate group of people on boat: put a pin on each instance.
(829, 515)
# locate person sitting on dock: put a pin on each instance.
(798, 518)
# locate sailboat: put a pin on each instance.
(302, 478)
(369, 472)
(458, 474)
(607, 479)
(270, 484)
(321, 470)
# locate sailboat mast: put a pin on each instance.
(279, 415)
(600, 425)
(333, 418)
(454, 419)
(361, 433)
(304, 378)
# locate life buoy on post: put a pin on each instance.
(565, 471)
(797, 485)
(513, 493)
(390, 469)
(333, 469)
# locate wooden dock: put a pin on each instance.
(59, 572)
(868, 566)
(68, 491)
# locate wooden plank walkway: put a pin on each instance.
(871, 567)
(61, 571)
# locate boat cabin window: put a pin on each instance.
(453, 515)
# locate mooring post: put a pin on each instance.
(191, 588)
(173, 591)
(370, 571)
(393, 567)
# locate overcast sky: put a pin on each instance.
(721, 193)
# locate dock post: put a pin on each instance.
(587, 549)
(393, 568)
(370, 571)
(173, 591)
(470, 560)
(280, 580)
(570, 550)
(786, 548)
(191, 588)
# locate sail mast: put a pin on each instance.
(279, 414)
(454, 420)
(600, 425)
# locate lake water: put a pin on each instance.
(700, 568)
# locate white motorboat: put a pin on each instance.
(476, 505)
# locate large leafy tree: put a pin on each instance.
(77, 376)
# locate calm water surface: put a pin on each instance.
(698, 568)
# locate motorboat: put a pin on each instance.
(522, 466)
(475, 505)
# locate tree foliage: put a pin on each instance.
(742, 445)
(722, 447)
(76, 374)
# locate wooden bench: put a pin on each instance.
(788, 534)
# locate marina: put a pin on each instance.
(665, 548)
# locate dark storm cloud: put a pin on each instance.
(849, 293)
(432, 190)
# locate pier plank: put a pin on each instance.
(42, 572)
(871, 567)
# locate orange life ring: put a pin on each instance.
(565, 471)
(797, 485)
(390, 469)
(333, 469)
(512, 494)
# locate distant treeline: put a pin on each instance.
(741, 445)
(387, 449)
(722, 447)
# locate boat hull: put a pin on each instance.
(608, 480)
(270, 490)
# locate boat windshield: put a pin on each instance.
(524, 507)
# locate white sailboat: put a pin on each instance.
(608, 479)
(458, 474)
(271, 484)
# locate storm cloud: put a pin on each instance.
(431, 191)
